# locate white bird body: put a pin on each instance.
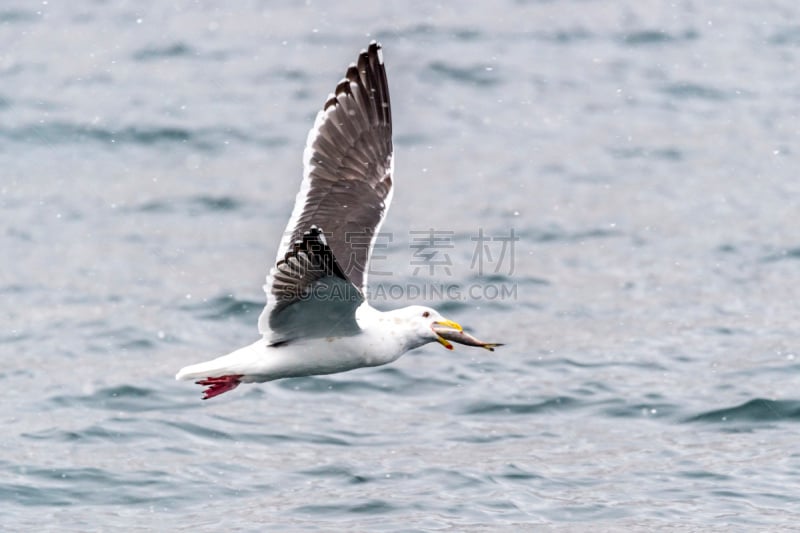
(381, 341)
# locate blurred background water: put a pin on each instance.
(644, 153)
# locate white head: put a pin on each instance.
(420, 322)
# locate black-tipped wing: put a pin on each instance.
(311, 297)
(347, 182)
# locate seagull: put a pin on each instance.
(317, 319)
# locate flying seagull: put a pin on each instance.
(317, 319)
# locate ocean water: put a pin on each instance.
(612, 191)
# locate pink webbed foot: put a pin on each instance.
(217, 386)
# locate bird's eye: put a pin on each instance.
(426, 314)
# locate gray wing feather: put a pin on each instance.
(312, 297)
(347, 183)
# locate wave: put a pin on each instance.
(699, 91)
(755, 410)
(126, 398)
(225, 307)
(192, 205)
(202, 139)
(548, 405)
(473, 75)
(651, 37)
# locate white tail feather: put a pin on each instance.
(244, 361)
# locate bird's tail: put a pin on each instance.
(213, 375)
(221, 374)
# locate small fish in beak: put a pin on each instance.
(450, 331)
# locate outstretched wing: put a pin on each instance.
(345, 192)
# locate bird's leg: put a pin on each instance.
(218, 385)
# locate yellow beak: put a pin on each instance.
(449, 324)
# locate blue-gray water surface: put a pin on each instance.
(610, 188)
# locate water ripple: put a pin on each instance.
(120, 398)
(547, 406)
(387, 380)
(654, 37)
(370, 507)
(158, 52)
(689, 90)
(477, 75)
(783, 255)
(196, 430)
(755, 410)
(225, 307)
(202, 139)
(666, 154)
(202, 204)
(61, 486)
(623, 409)
(17, 15)
(789, 36)
(338, 472)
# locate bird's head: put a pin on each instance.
(429, 326)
